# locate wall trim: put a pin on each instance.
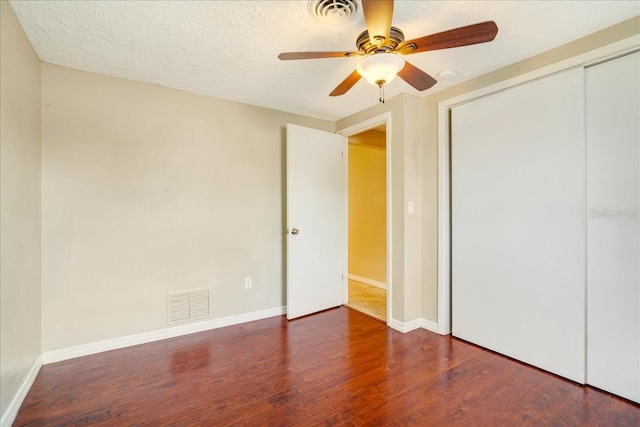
(10, 414)
(367, 281)
(146, 337)
(412, 325)
(444, 227)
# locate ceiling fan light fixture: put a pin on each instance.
(380, 68)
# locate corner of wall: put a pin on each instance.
(20, 206)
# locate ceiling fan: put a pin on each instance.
(383, 50)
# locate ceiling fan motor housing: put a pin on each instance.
(364, 44)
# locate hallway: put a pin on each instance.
(368, 299)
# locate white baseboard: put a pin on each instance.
(174, 331)
(405, 327)
(371, 282)
(429, 325)
(10, 414)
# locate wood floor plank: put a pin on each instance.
(339, 367)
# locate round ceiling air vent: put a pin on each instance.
(333, 12)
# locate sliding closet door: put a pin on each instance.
(518, 223)
(613, 182)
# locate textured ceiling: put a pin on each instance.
(229, 49)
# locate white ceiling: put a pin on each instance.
(229, 49)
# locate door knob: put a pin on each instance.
(294, 231)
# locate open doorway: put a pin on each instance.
(367, 222)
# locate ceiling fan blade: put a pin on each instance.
(416, 77)
(346, 84)
(315, 55)
(463, 36)
(378, 15)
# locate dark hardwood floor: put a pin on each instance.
(333, 368)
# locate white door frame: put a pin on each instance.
(444, 191)
(347, 132)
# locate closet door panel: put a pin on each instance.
(518, 223)
(613, 253)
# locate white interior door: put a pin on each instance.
(518, 223)
(316, 220)
(613, 194)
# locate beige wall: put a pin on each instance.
(20, 235)
(367, 206)
(148, 190)
(429, 117)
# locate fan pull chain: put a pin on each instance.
(381, 99)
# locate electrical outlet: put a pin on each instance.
(248, 282)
